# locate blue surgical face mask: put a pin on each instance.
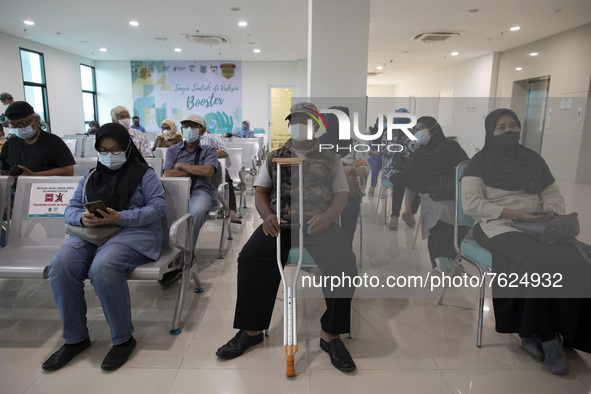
(111, 161)
(423, 136)
(191, 135)
(24, 132)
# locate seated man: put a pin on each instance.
(35, 152)
(191, 159)
(121, 115)
(207, 138)
(325, 196)
(136, 124)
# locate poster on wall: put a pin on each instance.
(173, 89)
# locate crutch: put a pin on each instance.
(290, 334)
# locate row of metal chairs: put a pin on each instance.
(34, 238)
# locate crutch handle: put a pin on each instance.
(289, 161)
(290, 366)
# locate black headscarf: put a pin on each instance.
(116, 187)
(518, 168)
(439, 156)
(332, 132)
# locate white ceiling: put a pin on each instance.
(279, 29)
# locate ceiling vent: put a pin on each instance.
(434, 37)
(208, 39)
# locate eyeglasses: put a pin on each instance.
(115, 151)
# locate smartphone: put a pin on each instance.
(93, 207)
(15, 171)
(541, 213)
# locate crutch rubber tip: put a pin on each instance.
(290, 366)
(230, 238)
(199, 290)
(175, 331)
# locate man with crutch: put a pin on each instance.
(325, 195)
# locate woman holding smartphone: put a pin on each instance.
(134, 200)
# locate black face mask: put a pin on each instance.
(508, 139)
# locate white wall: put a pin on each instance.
(566, 58)
(62, 73)
(113, 79)
(470, 83)
(256, 79)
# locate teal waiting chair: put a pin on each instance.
(469, 250)
(259, 131)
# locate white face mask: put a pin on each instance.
(168, 132)
(190, 134)
(125, 123)
(111, 161)
(423, 136)
(24, 132)
(299, 132)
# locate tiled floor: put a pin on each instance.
(400, 343)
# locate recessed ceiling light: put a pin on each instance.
(257, 50)
(103, 49)
(134, 23)
(379, 67)
(515, 28)
(242, 24)
(455, 53)
(30, 23)
(518, 68)
(534, 54)
(288, 92)
(178, 50)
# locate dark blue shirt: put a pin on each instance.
(178, 153)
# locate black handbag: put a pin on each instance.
(441, 186)
(559, 229)
(553, 231)
(95, 235)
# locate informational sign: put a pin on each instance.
(50, 199)
(173, 89)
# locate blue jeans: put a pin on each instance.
(199, 206)
(376, 165)
(106, 266)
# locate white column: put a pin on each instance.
(338, 35)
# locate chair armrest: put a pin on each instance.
(222, 191)
(187, 245)
(241, 175)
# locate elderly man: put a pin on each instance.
(192, 159)
(35, 152)
(121, 115)
(325, 195)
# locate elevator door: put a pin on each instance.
(535, 114)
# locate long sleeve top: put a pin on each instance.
(142, 230)
(485, 204)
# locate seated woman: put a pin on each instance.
(134, 197)
(506, 180)
(431, 173)
(169, 135)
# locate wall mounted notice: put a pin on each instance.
(173, 89)
(50, 199)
